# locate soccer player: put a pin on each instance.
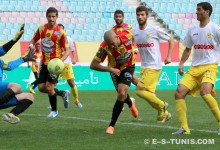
(7, 46)
(53, 42)
(121, 64)
(35, 67)
(119, 27)
(10, 93)
(68, 74)
(201, 77)
(147, 38)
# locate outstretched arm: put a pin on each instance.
(7, 46)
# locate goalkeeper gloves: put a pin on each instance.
(7, 46)
(19, 33)
(29, 55)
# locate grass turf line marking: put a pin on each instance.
(123, 123)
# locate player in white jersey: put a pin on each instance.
(68, 74)
(201, 77)
(147, 39)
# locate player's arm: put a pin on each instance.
(74, 57)
(65, 45)
(28, 56)
(7, 46)
(185, 56)
(170, 51)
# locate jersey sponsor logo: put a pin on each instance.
(206, 47)
(145, 45)
(47, 42)
(57, 33)
(195, 34)
(127, 42)
(124, 57)
(125, 28)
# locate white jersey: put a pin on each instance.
(71, 47)
(206, 43)
(147, 41)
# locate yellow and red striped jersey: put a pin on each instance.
(119, 58)
(53, 41)
(124, 26)
(38, 55)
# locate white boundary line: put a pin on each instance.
(123, 123)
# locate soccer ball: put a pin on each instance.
(55, 66)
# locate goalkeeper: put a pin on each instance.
(10, 93)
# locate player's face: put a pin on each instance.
(141, 17)
(118, 19)
(51, 18)
(201, 13)
(37, 47)
(113, 44)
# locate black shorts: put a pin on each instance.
(45, 76)
(125, 77)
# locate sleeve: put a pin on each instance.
(2, 52)
(12, 64)
(163, 35)
(101, 54)
(187, 42)
(63, 40)
(36, 36)
(218, 34)
(70, 42)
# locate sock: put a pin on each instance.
(116, 112)
(128, 101)
(59, 92)
(154, 101)
(6, 96)
(53, 102)
(213, 105)
(21, 107)
(34, 84)
(181, 113)
(75, 93)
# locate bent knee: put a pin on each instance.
(179, 94)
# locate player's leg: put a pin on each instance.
(135, 79)
(8, 91)
(207, 91)
(181, 109)
(146, 88)
(21, 102)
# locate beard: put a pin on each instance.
(142, 22)
(119, 22)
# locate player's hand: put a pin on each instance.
(73, 62)
(181, 69)
(115, 71)
(167, 61)
(29, 55)
(19, 33)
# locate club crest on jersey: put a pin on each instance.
(147, 36)
(57, 33)
(208, 35)
(127, 43)
(122, 50)
(48, 35)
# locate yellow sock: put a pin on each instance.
(75, 93)
(213, 105)
(181, 113)
(154, 101)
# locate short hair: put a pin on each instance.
(206, 6)
(142, 8)
(52, 10)
(119, 12)
(109, 35)
(61, 25)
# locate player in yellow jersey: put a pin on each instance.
(68, 74)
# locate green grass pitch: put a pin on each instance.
(85, 128)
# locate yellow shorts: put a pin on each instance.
(197, 75)
(67, 72)
(149, 79)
